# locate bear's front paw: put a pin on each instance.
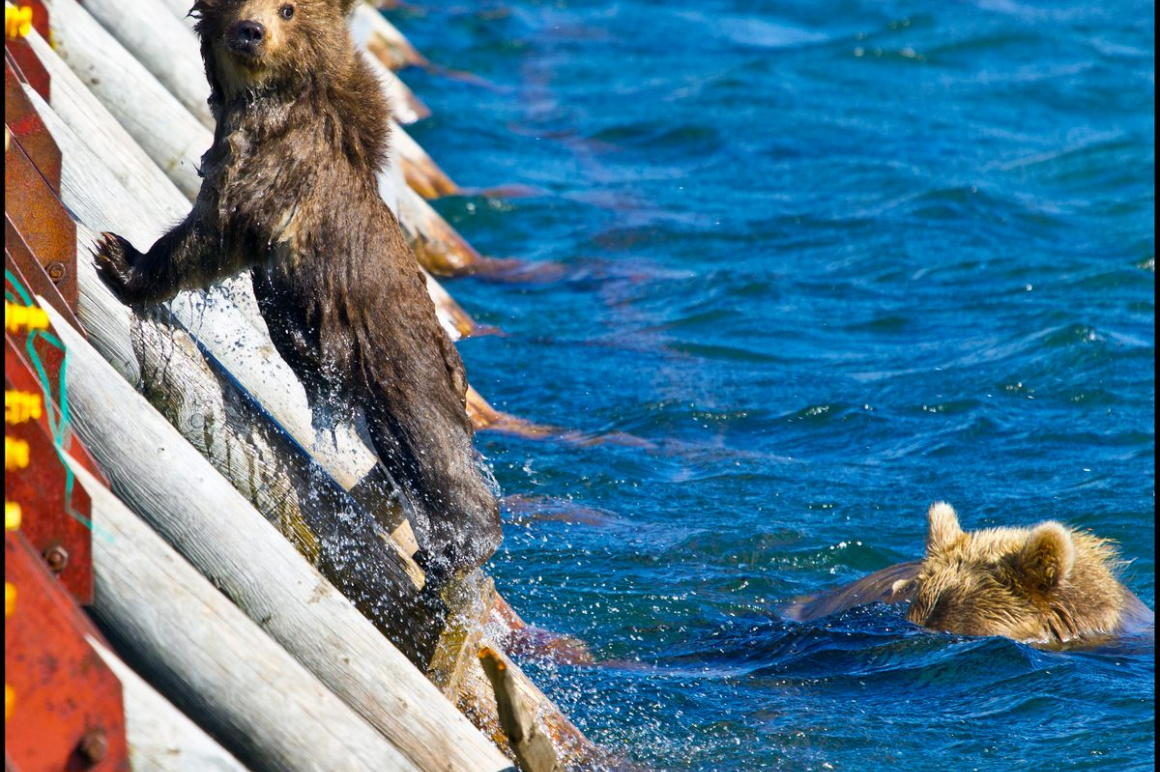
(113, 260)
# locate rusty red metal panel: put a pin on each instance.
(19, 260)
(56, 510)
(25, 124)
(43, 222)
(19, 53)
(67, 709)
(49, 356)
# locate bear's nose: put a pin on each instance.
(250, 33)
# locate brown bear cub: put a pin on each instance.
(1047, 585)
(289, 191)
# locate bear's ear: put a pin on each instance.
(344, 6)
(1047, 557)
(944, 527)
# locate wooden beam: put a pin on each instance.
(161, 737)
(152, 594)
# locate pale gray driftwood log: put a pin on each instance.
(153, 117)
(164, 479)
(161, 42)
(161, 737)
(211, 661)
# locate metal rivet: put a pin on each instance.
(56, 271)
(56, 558)
(94, 746)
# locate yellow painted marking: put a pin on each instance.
(18, 317)
(17, 20)
(13, 515)
(21, 406)
(15, 454)
(9, 599)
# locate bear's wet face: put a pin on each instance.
(254, 46)
(1045, 584)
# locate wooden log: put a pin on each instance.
(439, 247)
(175, 139)
(458, 671)
(534, 751)
(406, 108)
(214, 663)
(159, 123)
(166, 481)
(161, 737)
(160, 41)
(382, 39)
(420, 170)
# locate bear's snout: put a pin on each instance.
(247, 36)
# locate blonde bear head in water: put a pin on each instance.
(1044, 584)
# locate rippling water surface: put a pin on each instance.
(822, 263)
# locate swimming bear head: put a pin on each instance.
(1044, 584)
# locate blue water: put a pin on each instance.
(831, 262)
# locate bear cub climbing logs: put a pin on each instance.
(289, 191)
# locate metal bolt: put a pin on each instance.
(56, 271)
(57, 558)
(94, 745)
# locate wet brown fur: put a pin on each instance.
(290, 191)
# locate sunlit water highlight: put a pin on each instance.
(832, 261)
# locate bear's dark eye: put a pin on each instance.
(287, 12)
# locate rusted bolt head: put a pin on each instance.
(57, 558)
(94, 745)
(56, 270)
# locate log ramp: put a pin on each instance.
(313, 645)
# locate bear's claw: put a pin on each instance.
(112, 262)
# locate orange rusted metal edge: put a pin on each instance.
(32, 167)
(67, 710)
(27, 269)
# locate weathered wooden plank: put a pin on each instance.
(203, 653)
(153, 117)
(161, 42)
(532, 748)
(164, 479)
(161, 737)
(423, 175)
